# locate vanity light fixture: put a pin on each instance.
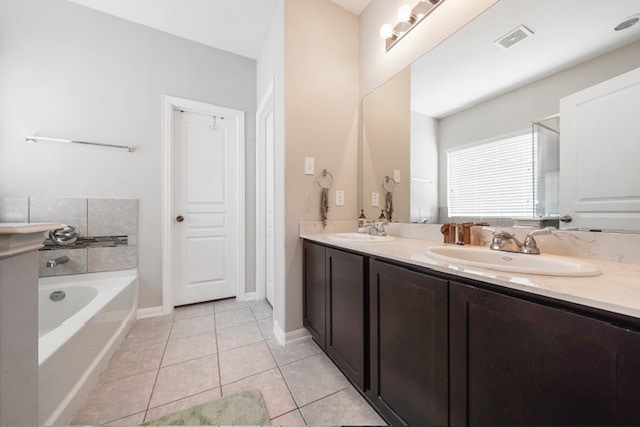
(409, 18)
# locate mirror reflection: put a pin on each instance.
(473, 131)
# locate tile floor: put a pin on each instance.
(205, 351)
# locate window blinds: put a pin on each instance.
(494, 179)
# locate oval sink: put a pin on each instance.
(359, 238)
(546, 265)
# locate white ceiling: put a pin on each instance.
(468, 68)
(237, 26)
(354, 6)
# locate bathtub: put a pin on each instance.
(78, 335)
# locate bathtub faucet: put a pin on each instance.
(57, 261)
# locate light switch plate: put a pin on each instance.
(396, 176)
(339, 198)
(309, 166)
(375, 200)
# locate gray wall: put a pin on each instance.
(514, 111)
(71, 72)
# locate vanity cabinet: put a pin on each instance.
(515, 362)
(334, 306)
(409, 345)
(430, 348)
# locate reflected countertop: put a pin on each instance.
(617, 290)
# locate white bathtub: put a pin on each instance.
(78, 336)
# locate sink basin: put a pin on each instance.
(546, 265)
(359, 238)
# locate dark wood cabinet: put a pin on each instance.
(345, 313)
(314, 272)
(409, 345)
(515, 362)
(629, 379)
(334, 306)
(428, 348)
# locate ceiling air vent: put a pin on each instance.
(514, 37)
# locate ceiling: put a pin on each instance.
(237, 26)
(354, 6)
(469, 68)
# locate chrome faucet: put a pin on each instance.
(377, 228)
(507, 242)
(57, 261)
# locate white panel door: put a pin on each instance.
(270, 232)
(599, 155)
(205, 229)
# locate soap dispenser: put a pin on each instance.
(362, 221)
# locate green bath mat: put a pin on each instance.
(246, 408)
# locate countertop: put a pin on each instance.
(617, 290)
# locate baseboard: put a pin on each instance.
(286, 338)
(149, 312)
(250, 296)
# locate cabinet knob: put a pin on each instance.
(566, 218)
(180, 218)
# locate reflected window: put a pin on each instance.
(494, 178)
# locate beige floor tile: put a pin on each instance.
(195, 310)
(273, 388)
(194, 326)
(189, 348)
(182, 404)
(115, 400)
(245, 361)
(345, 408)
(293, 418)
(133, 420)
(262, 310)
(266, 326)
(237, 336)
(185, 379)
(233, 318)
(292, 352)
(231, 304)
(153, 321)
(313, 378)
(125, 363)
(145, 337)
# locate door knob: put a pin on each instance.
(566, 218)
(180, 218)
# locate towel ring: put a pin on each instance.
(324, 175)
(389, 183)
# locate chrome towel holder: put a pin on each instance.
(34, 139)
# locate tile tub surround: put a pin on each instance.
(205, 351)
(93, 218)
(617, 290)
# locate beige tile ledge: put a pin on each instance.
(617, 290)
(18, 238)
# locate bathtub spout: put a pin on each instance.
(57, 261)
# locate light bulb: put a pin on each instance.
(386, 32)
(405, 13)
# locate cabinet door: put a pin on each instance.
(314, 291)
(345, 313)
(599, 132)
(409, 345)
(629, 379)
(520, 363)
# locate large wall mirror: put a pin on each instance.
(473, 130)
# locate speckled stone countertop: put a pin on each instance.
(617, 290)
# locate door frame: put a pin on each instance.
(264, 109)
(171, 103)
